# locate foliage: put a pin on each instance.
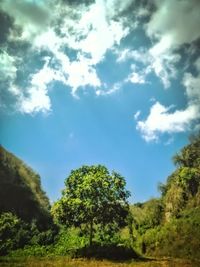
(14, 233)
(170, 226)
(147, 215)
(182, 189)
(189, 156)
(69, 241)
(178, 237)
(107, 234)
(93, 199)
(20, 191)
(94, 207)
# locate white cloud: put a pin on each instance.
(37, 101)
(135, 77)
(174, 23)
(161, 120)
(192, 85)
(92, 35)
(104, 34)
(33, 17)
(160, 64)
(36, 98)
(81, 73)
(43, 77)
(140, 55)
(89, 30)
(106, 90)
(8, 74)
(7, 67)
(48, 40)
(114, 7)
(137, 114)
(163, 66)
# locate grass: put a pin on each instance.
(67, 262)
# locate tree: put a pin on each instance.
(189, 156)
(92, 198)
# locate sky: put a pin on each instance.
(99, 82)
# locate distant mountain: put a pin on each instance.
(21, 192)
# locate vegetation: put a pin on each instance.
(93, 217)
(95, 201)
(170, 225)
(20, 191)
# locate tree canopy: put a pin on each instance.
(92, 197)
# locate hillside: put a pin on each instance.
(164, 226)
(20, 190)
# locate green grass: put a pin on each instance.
(66, 262)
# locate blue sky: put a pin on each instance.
(99, 82)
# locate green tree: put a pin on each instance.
(189, 156)
(92, 198)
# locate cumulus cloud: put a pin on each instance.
(77, 35)
(162, 65)
(135, 77)
(172, 25)
(31, 16)
(106, 32)
(161, 120)
(8, 74)
(7, 67)
(81, 74)
(139, 55)
(58, 29)
(192, 85)
(106, 90)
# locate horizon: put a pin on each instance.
(99, 82)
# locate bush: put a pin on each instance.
(68, 241)
(13, 233)
(177, 238)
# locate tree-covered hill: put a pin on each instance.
(20, 190)
(170, 225)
